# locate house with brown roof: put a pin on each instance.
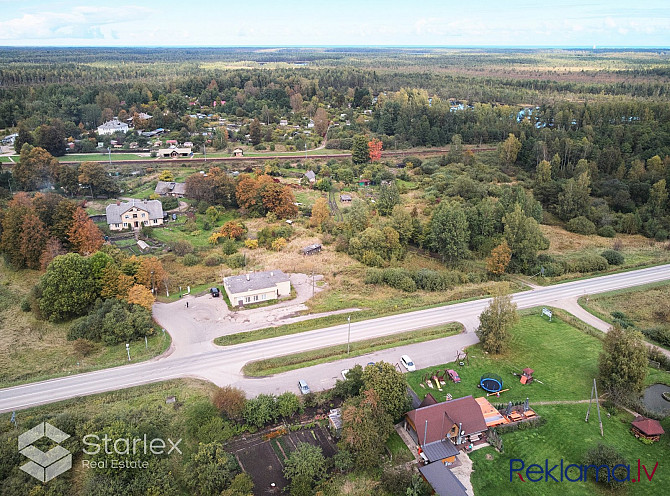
(459, 421)
(647, 428)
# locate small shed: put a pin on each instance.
(647, 428)
(311, 249)
(143, 245)
(238, 152)
(310, 176)
(364, 182)
(335, 419)
(345, 198)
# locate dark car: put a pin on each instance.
(214, 292)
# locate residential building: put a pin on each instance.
(165, 188)
(134, 214)
(238, 152)
(256, 287)
(459, 421)
(311, 249)
(174, 152)
(310, 176)
(113, 126)
(345, 198)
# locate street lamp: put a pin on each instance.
(348, 333)
(128, 350)
(109, 152)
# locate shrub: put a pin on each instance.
(230, 401)
(607, 232)
(581, 225)
(113, 321)
(235, 261)
(252, 244)
(229, 247)
(213, 261)
(278, 244)
(661, 235)
(587, 263)
(613, 257)
(659, 334)
(25, 304)
(605, 458)
(169, 203)
(181, 248)
(190, 259)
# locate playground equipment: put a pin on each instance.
(491, 383)
(497, 394)
(453, 375)
(527, 376)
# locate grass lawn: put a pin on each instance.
(284, 363)
(566, 436)
(640, 305)
(174, 231)
(6, 159)
(564, 359)
(32, 350)
(399, 450)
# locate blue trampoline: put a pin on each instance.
(491, 383)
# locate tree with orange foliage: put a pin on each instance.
(33, 240)
(151, 273)
(140, 295)
(246, 192)
(52, 249)
(499, 259)
(280, 200)
(233, 229)
(375, 149)
(115, 284)
(84, 235)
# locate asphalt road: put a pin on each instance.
(222, 365)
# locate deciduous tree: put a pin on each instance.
(305, 467)
(449, 232)
(84, 236)
(390, 385)
(320, 213)
(230, 401)
(523, 237)
(360, 154)
(375, 150)
(495, 322)
(499, 259)
(509, 149)
(623, 363)
(141, 295)
(68, 287)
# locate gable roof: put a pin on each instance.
(443, 481)
(115, 211)
(647, 426)
(310, 175)
(428, 400)
(165, 187)
(442, 416)
(114, 124)
(254, 281)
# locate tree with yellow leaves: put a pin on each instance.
(320, 213)
(140, 295)
(499, 259)
(84, 235)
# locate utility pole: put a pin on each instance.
(204, 149)
(128, 350)
(305, 150)
(594, 392)
(313, 282)
(109, 152)
(348, 333)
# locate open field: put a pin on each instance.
(285, 363)
(644, 307)
(32, 349)
(567, 437)
(564, 359)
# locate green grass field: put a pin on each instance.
(566, 436)
(564, 359)
(174, 230)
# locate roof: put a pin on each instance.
(114, 211)
(492, 416)
(428, 400)
(164, 188)
(315, 246)
(310, 175)
(647, 426)
(439, 450)
(345, 197)
(443, 481)
(164, 151)
(335, 417)
(142, 244)
(441, 417)
(114, 124)
(254, 281)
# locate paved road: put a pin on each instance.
(222, 365)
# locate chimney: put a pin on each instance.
(272, 274)
(247, 277)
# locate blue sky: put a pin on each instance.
(343, 22)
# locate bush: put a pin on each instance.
(661, 235)
(190, 259)
(229, 247)
(609, 457)
(252, 244)
(613, 257)
(113, 321)
(581, 225)
(587, 263)
(236, 261)
(607, 232)
(25, 304)
(659, 334)
(182, 248)
(169, 203)
(213, 261)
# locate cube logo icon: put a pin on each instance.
(44, 466)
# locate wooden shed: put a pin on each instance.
(647, 428)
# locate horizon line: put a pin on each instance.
(527, 47)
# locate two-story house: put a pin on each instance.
(134, 214)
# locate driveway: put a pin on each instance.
(194, 328)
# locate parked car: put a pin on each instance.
(453, 375)
(214, 292)
(344, 374)
(304, 388)
(408, 363)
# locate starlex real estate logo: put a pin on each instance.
(45, 466)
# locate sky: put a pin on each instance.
(337, 22)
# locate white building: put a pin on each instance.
(134, 214)
(113, 126)
(256, 287)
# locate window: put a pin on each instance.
(125, 224)
(134, 216)
(263, 296)
(155, 221)
(255, 297)
(142, 214)
(247, 299)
